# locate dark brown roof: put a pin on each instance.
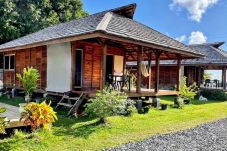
(115, 22)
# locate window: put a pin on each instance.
(9, 62)
(79, 68)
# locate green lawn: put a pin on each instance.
(15, 101)
(86, 134)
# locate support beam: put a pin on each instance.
(199, 76)
(179, 73)
(139, 60)
(103, 66)
(124, 63)
(149, 65)
(224, 78)
(157, 73)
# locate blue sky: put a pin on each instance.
(177, 21)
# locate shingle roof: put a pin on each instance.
(213, 55)
(108, 22)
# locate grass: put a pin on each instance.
(14, 101)
(87, 134)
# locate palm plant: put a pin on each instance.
(29, 79)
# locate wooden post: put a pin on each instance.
(199, 77)
(103, 66)
(149, 65)
(138, 81)
(124, 63)
(224, 78)
(157, 63)
(179, 72)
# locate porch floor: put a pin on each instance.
(144, 93)
(150, 93)
(12, 114)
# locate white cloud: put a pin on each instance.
(197, 37)
(182, 38)
(196, 8)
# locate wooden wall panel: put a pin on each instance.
(167, 80)
(35, 57)
(92, 62)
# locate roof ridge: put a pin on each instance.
(161, 34)
(218, 44)
(220, 51)
(105, 21)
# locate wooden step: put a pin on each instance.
(66, 104)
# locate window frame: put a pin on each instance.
(9, 63)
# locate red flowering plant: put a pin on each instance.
(38, 115)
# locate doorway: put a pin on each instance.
(109, 68)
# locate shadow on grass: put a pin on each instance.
(81, 127)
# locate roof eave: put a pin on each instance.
(191, 55)
(104, 34)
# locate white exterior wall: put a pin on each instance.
(59, 67)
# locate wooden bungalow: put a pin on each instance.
(214, 59)
(80, 55)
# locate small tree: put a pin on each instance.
(185, 92)
(106, 103)
(29, 80)
(207, 76)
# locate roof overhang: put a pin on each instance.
(101, 34)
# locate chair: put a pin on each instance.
(111, 81)
(72, 106)
(216, 83)
(123, 82)
(207, 83)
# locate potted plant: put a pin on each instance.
(187, 93)
(165, 104)
(156, 102)
(146, 109)
(9, 94)
(179, 102)
(38, 100)
(29, 79)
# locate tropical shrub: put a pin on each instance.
(179, 103)
(3, 123)
(127, 108)
(106, 103)
(207, 76)
(187, 92)
(29, 79)
(216, 95)
(38, 115)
